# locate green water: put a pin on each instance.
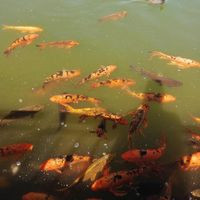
(172, 28)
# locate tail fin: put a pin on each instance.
(5, 27)
(7, 51)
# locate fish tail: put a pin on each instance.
(7, 51)
(5, 27)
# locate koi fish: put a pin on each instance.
(196, 193)
(103, 71)
(196, 119)
(60, 44)
(151, 96)
(21, 113)
(13, 149)
(115, 180)
(114, 16)
(57, 164)
(144, 155)
(139, 120)
(120, 83)
(61, 75)
(67, 98)
(161, 80)
(190, 162)
(37, 196)
(93, 171)
(22, 41)
(182, 63)
(92, 112)
(23, 29)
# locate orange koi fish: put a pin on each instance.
(23, 29)
(13, 149)
(37, 196)
(114, 16)
(103, 71)
(22, 41)
(196, 119)
(190, 162)
(67, 98)
(182, 63)
(115, 180)
(151, 96)
(139, 119)
(120, 83)
(61, 75)
(144, 155)
(60, 44)
(57, 164)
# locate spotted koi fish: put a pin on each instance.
(57, 164)
(144, 155)
(13, 149)
(120, 83)
(182, 63)
(61, 75)
(22, 41)
(151, 96)
(114, 16)
(60, 44)
(190, 162)
(23, 29)
(115, 180)
(103, 71)
(139, 120)
(67, 98)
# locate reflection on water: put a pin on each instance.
(121, 40)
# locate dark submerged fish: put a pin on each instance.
(157, 78)
(101, 129)
(21, 113)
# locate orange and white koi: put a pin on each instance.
(60, 44)
(22, 41)
(139, 120)
(120, 83)
(103, 71)
(151, 96)
(144, 155)
(67, 98)
(38, 196)
(61, 75)
(190, 162)
(23, 29)
(57, 164)
(182, 63)
(115, 180)
(114, 16)
(13, 149)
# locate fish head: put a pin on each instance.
(112, 67)
(145, 107)
(56, 99)
(75, 72)
(168, 98)
(74, 43)
(52, 164)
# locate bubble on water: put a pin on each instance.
(38, 129)
(65, 125)
(104, 153)
(76, 145)
(88, 153)
(62, 123)
(20, 100)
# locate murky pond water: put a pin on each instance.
(172, 28)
